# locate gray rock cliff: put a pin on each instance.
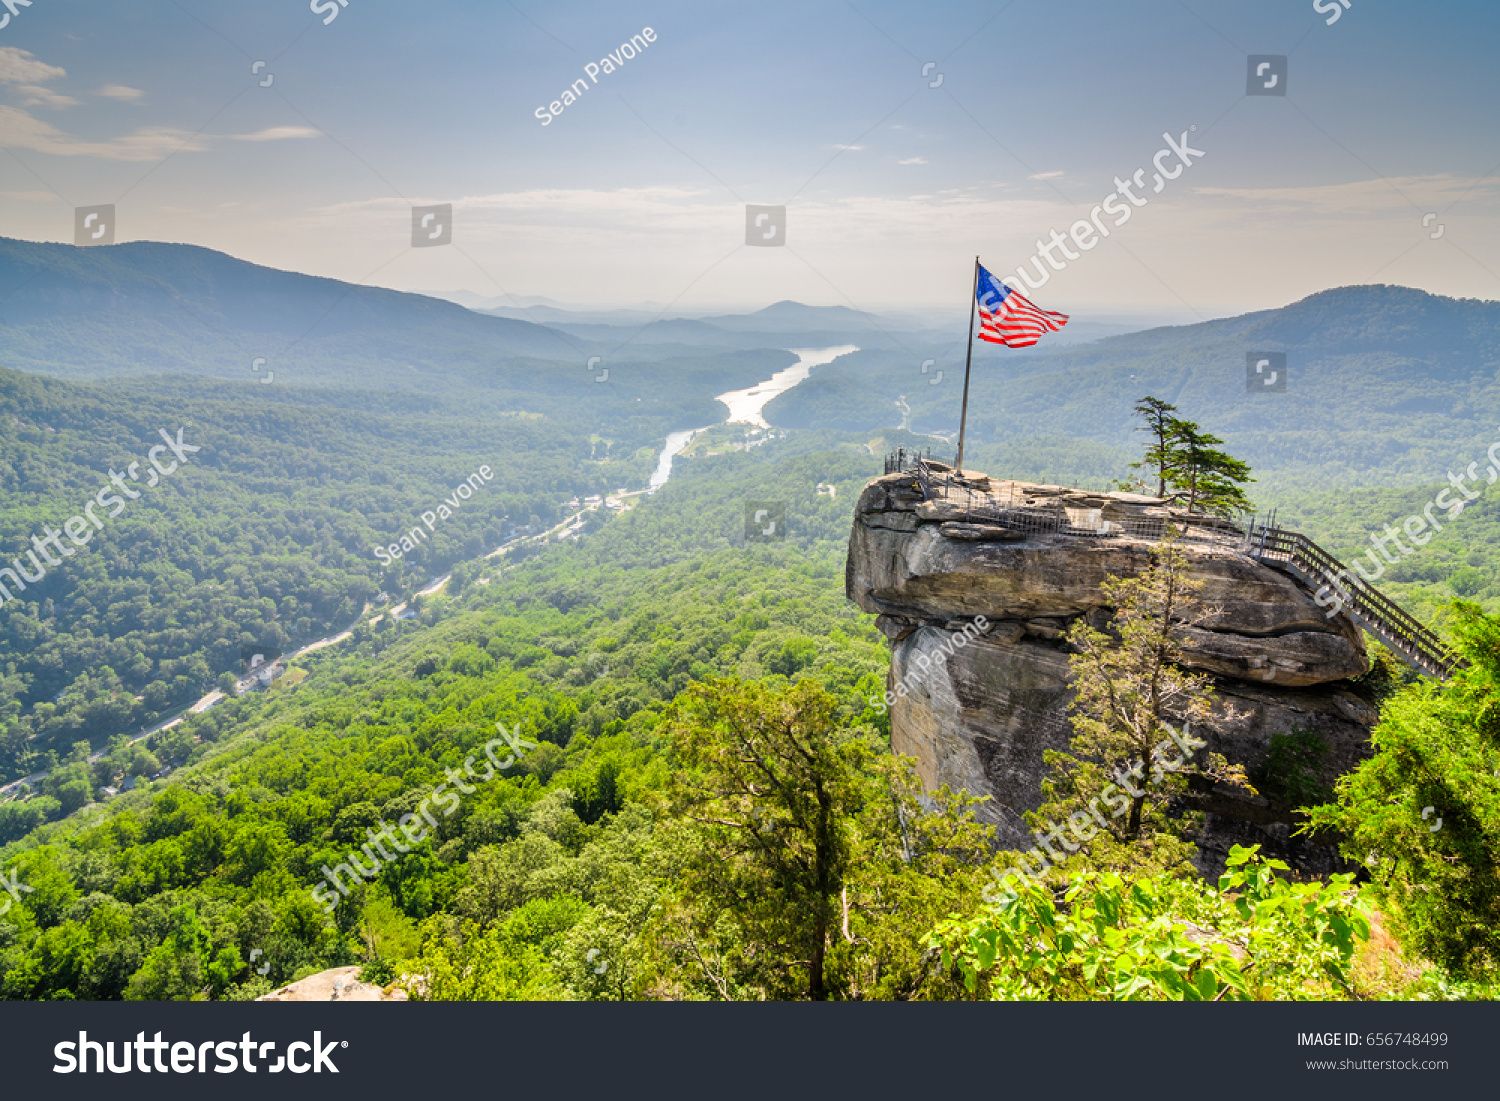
(979, 715)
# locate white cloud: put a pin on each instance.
(280, 133)
(871, 250)
(1394, 193)
(849, 148)
(28, 75)
(120, 91)
(20, 67)
(1045, 175)
(19, 130)
(37, 96)
(913, 160)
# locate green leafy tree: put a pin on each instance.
(1161, 938)
(1161, 456)
(177, 969)
(804, 855)
(462, 962)
(1423, 812)
(918, 859)
(1205, 478)
(1126, 752)
(1189, 462)
(768, 782)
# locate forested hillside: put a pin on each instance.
(581, 649)
(574, 868)
(265, 535)
(1386, 386)
(566, 723)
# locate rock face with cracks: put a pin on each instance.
(978, 713)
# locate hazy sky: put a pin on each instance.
(636, 192)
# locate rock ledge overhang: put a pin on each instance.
(916, 563)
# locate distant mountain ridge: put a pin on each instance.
(1383, 384)
(148, 306)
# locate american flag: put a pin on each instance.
(1008, 317)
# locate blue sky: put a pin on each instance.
(636, 192)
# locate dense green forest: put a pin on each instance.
(642, 762)
(612, 855)
(265, 535)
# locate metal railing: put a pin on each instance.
(1366, 605)
(1009, 506)
(902, 460)
(1015, 509)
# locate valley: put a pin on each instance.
(548, 602)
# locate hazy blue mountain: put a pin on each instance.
(1384, 384)
(545, 313)
(790, 316)
(154, 309)
(148, 307)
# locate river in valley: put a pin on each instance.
(745, 405)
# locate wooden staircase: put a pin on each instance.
(1367, 606)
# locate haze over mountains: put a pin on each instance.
(153, 307)
(1385, 383)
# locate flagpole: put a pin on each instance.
(963, 416)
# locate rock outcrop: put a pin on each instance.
(338, 984)
(981, 715)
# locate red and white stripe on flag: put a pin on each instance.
(1016, 322)
(1008, 317)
